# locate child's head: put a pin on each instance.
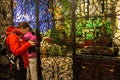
(33, 38)
(30, 36)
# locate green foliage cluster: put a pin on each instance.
(92, 28)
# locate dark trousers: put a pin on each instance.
(19, 74)
(5, 79)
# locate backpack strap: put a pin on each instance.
(17, 61)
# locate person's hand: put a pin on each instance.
(32, 43)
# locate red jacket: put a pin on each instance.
(17, 44)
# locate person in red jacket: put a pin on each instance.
(18, 47)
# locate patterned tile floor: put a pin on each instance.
(57, 68)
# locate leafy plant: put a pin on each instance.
(90, 24)
(107, 25)
(79, 28)
(97, 27)
(98, 22)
